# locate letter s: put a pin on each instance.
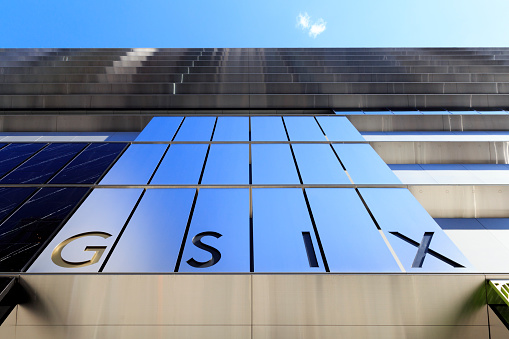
(216, 255)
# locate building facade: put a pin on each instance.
(254, 193)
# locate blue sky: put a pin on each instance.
(262, 23)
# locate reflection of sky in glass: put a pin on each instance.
(396, 210)
(181, 165)
(273, 164)
(318, 164)
(267, 129)
(196, 129)
(350, 239)
(303, 129)
(227, 164)
(135, 166)
(152, 239)
(160, 129)
(232, 129)
(280, 216)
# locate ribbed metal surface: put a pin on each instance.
(253, 78)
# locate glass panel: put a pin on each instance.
(135, 166)
(267, 129)
(232, 129)
(364, 165)
(14, 154)
(303, 129)
(273, 165)
(318, 164)
(227, 165)
(152, 239)
(339, 129)
(160, 129)
(196, 129)
(412, 233)
(221, 221)
(11, 197)
(96, 223)
(88, 167)
(28, 228)
(181, 165)
(280, 217)
(43, 165)
(350, 239)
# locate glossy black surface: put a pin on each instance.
(43, 165)
(88, 167)
(28, 228)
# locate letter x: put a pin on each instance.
(423, 249)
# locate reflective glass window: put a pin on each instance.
(97, 222)
(227, 164)
(232, 129)
(339, 129)
(135, 166)
(273, 165)
(14, 154)
(181, 165)
(11, 197)
(267, 129)
(408, 226)
(152, 239)
(319, 165)
(32, 224)
(350, 239)
(280, 218)
(221, 221)
(43, 165)
(196, 129)
(160, 129)
(303, 129)
(87, 167)
(364, 165)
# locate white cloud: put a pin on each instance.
(317, 28)
(303, 20)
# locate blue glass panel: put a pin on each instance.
(14, 154)
(318, 164)
(135, 166)
(220, 220)
(303, 129)
(232, 129)
(88, 167)
(364, 165)
(493, 112)
(160, 129)
(105, 210)
(339, 129)
(181, 165)
(196, 129)
(349, 112)
(459, 224)
(378, 112)
(464, 112)
(350, 239)
(404, 221)
(43, 165)
(30, 226)
(280, 216)
(435, 112)
(152, 239)
(11, 197)
(267, 129)
(495, 223)
(406, 113)
(273, 165)
(227, 164)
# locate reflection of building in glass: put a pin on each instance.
(310, 192)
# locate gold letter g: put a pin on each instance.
(56, 255)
